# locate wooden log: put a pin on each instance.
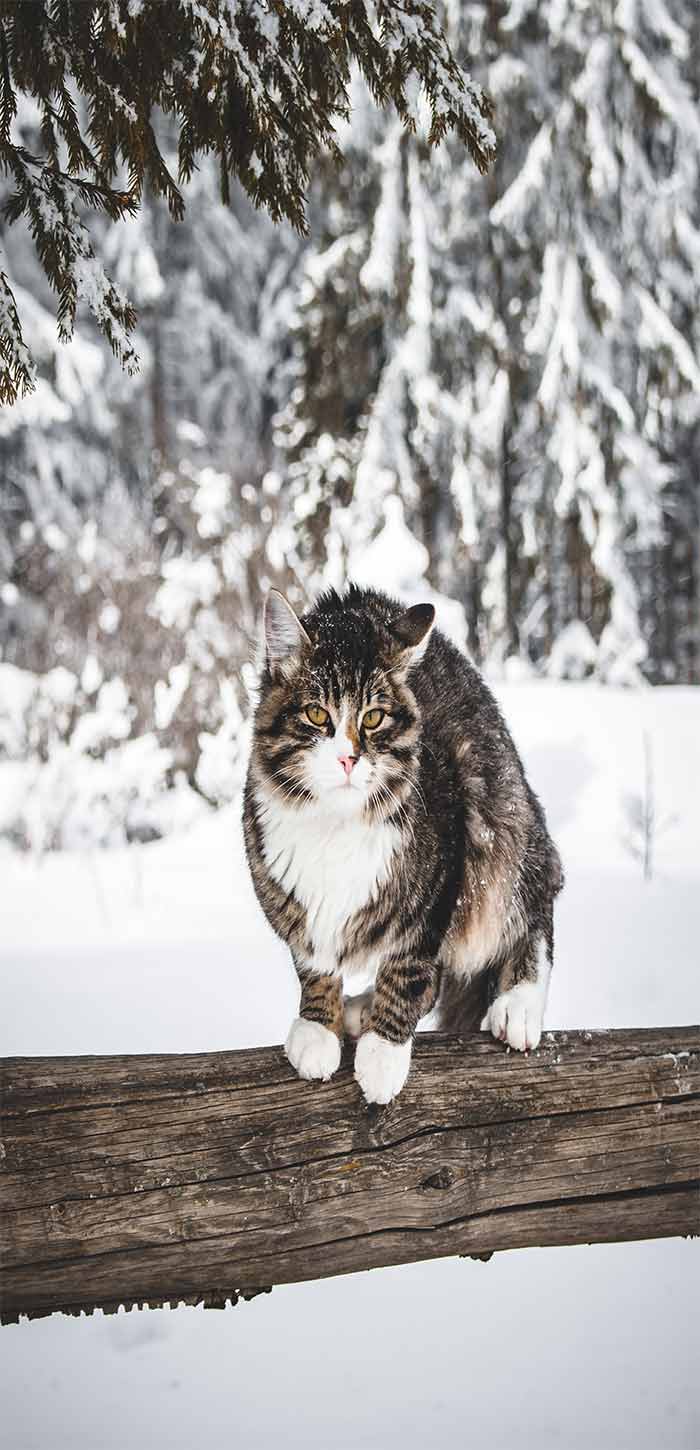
(130, 1180)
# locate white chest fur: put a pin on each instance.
(333, 865)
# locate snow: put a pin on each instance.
(76, 801)
(347, 371)
(671, 97)
(658, 331)
(536, 339)
(168, 694)
(223, 754)
(211, 501)
(162, 948)
(108, 618)
(574, 653)
(187, 583)
(590, 90)
(393, 331)
(509, 210)
(489, 423)
(565, 340)
(17, 689)
(417, 346)
(134, 260)
(17, 354)
(377, 274)
(397, 563)
(462, 489)
(91, 677)
(110, 719)
(516, 14)
(606, 287)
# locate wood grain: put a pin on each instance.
(129, 1180)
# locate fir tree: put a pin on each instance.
(258, 86)
(602, 209)
(526, 344)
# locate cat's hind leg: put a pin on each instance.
(516, 1014)
(463, 1000)
(357, 1012)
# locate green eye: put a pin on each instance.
(317, 715)
(372, 718)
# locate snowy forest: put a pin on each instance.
(474, 380)
(483, 390)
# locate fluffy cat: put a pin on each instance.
(390, 830)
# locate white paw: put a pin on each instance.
(356, 1013)
(381, 1067)
(516, 1016)
(312, 1049)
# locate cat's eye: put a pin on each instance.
(317, 715)
(372, 718)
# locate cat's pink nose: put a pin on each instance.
(347, 762)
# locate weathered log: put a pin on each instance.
(159, 1179)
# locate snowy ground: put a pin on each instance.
(162, 948)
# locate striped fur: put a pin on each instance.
(429, 868)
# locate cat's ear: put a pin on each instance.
(412, 633)
(284, 634)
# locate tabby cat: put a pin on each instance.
(390, 831)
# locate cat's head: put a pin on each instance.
(338, 726)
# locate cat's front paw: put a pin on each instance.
(312, 1049)
(516, 1016)
(381, 1067)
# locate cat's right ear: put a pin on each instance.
(284, 634)
(411, 632)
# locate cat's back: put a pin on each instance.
(466, 733)
(460, 712)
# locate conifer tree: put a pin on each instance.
(506, 363)
(527, 344)
(259, 86)
(397, 383)
(603, 209)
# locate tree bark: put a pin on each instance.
(159, 1179)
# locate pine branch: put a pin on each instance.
(261, 85)
(17, 370)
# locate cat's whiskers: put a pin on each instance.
(398, 807)
(409, 780)
(289, 788)
(415, 787)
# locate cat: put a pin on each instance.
(390, 831)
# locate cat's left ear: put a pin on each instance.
(412, 632)
(285, 635)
